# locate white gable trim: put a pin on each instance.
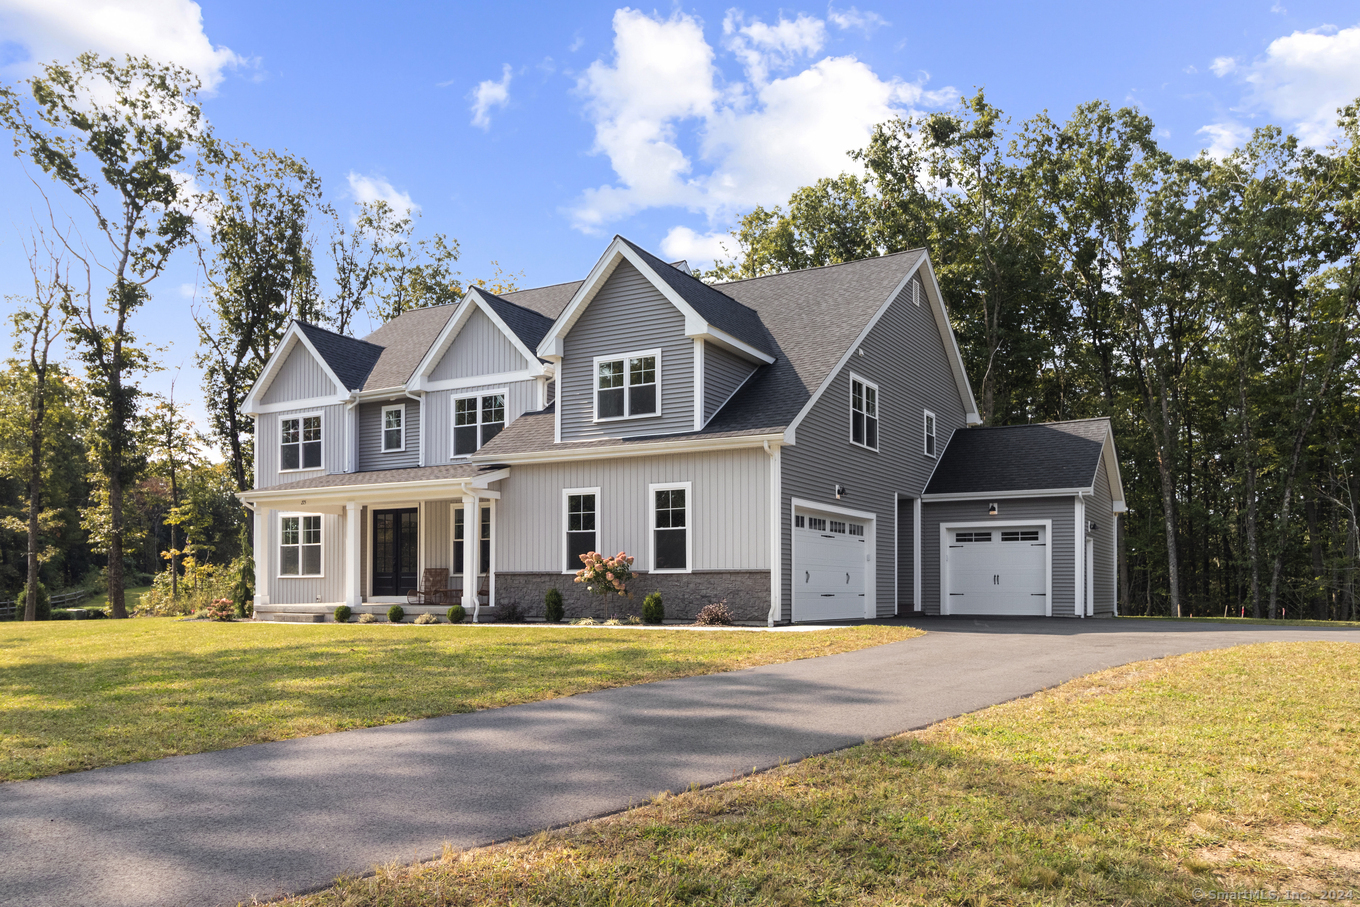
(1112, 473)
(253, 405)
(472, 301)
(951, 349)
(554, 343)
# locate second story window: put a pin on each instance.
(394, 428)
(930, 433)
(863, 413)
(476, 420)
(626, 387)
(300, 443)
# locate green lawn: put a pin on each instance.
(78, 695)
(1160, 783)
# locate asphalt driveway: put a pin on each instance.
(261, 821)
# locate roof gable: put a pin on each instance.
(328, 350)
(516, 324)
(404, 341)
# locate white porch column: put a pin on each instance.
(354, 556)
(262, 549)
(472, 546)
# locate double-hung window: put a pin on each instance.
(476, 420)
(580, 525)
(300, 546)
(930, 433)
(670, 527)
(628, 386)
(299, 443)
(394, 427)
(863, 413)
(484, 540)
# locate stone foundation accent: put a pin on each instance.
(683, 594)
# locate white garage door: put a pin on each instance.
(829, 557)
(997, 571)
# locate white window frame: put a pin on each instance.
(453, 410)
(930, 440)
(595, 386)
(688, 488)
(566, 494)
(877, 417)
(278, 545)
(382, 427)
(299, 417)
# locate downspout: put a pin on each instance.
(421, 440)
(1082, 579)
(776, 535)
(351, 435)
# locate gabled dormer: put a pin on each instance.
(644, 348)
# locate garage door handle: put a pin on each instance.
(806, 576)
(847, 579)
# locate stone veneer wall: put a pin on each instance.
(683, 594)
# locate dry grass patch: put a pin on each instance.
(79, 695)
(1221, 771)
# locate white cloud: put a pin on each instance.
(1279, 9)
(169, 31)
(1223, 65)
(752, 142)
(376, 188)
(188, 290)
(1224, 138)
(699, 249)
(488, 94)
(1302, 79)
(845, 19)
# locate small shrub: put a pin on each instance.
(513, 614)
(426, 619)
(714, 615)
(553, 609)
(222, 609)
(456, 614)
(94, 614)
(584, 622)
(61, 614)
(633, 620)
(367, 618)
(44, 603)
(396, 613)
(342, 614)
(613, 622)
(652, 610)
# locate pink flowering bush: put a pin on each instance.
(606, 575)
(222, 609)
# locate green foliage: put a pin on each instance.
(342, 614)
(426, 619)
(243, 590)
(653, 612)
(396, 613)
(553, 608)
(199, 587)
(44, 602)
(456, 614)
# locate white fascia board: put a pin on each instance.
(631, 450)
(378, 491)
(728, 342)
(1112, 473)
(951, 344)
(294, 335)
(1002, 495)
(552, 344)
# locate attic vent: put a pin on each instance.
(916, 291)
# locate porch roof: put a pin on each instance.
(452, 471)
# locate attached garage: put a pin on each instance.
(832, 564)
(996, 569)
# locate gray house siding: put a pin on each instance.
(1100, 510)
(520, 397)
(906, 556)
(905, 356)
(479, 349)
(300, 377)
(329, 587)
(267, 447)
(1062, 511)
(627, 315)
(723, 374)
(371, 454)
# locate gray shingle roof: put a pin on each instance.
(350, 359)
(528, 325)
(384, 477)
(1036, 457)
(546, 301)
(405, 341)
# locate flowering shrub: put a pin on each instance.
(222, 609)
(606, 575)
(714, 615)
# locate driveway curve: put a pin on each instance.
(262, 821)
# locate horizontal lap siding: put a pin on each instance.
(723, 374)
(905, 356)
(328, 588)
(300, 377)
(332, 444)
(521, 398)
(728, 515)
(1100, 509)
(479, 349)
(371, 454)
(1062, 511)
(627, 315)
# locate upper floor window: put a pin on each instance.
(628, 386)
(300, 546)
(930, 433)
(299, 443)
(394, 427)
(863, 413)
(476, 420)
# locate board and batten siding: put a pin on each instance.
(520, 397)
(1061, 510)
(371, 454)
(627, 315)
(728, 516)
(329, 588)
(300, 377)
(723, 374)
(267, 445)
(905, 356)
(1100, 510)
(479, 349)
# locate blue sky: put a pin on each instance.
(534, 132)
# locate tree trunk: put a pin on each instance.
(1310, 509)
(1249, 464)
(117, 600)
(35, 421)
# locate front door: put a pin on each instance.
(394, 551)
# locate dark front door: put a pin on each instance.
(394, 551)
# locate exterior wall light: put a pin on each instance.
(991, 510)
(841, 492)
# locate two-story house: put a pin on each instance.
(798, 445)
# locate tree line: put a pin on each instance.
(1207, 306)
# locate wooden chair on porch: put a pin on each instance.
(433, 590)
(483, 590)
